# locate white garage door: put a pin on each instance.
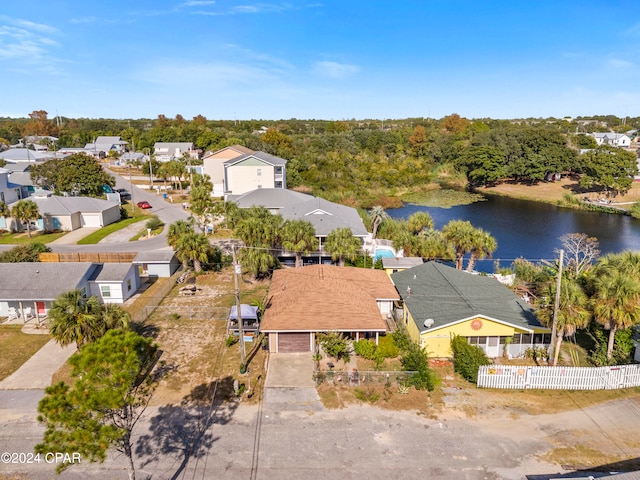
(90, 220)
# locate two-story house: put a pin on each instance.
(213, 165)
(105, 144)
(254, 171)
(169, 151)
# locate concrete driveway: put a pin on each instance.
(289, 385)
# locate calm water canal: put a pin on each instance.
(532, 229)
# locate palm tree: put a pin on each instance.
(178, 170)
(163, 171)
(377, 215)
(572, 311)
(342, 245)
(420, 222)
(462, 236)
(4, 210)
(176, 231)
(25, 211)
(75, 318)
(484, 246)
(114, 316)
(616, 302)
(299, 237)
(259, 231)
(258, 262)
(195, 247)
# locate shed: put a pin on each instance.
(157, 263)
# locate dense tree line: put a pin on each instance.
(359, 161)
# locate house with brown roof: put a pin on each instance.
(303, 302)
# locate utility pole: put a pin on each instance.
(237, 271)
(131, 188)
(150, 169)
(556, 307)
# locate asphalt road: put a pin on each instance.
(268, 442)
(167, 212)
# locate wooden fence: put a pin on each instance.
(559, 378)
(102, 257)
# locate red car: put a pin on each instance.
(144, 205)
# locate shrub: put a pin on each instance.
(467, 358)
(387, 347)
(366, 395)
(365, 349)
(335, 345)
(414, 358)
(28, 252)
(230, 340)
(154, 222)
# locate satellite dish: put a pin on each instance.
(428, 323)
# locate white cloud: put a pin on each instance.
(619, 63)
(334, 69)
(198, 3)
(23, 44)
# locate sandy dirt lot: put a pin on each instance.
(551, 191)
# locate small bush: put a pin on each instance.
(154, 222)
(230, 340)
(335, 345)
(365, 349)
(387, 347)
(467, 358)
(366, 395)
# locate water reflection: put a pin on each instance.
(532, 229)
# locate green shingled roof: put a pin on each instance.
(447, 295)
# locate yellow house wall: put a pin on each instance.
(437, 342)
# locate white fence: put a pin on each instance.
(559, 378)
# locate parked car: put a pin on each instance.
(123, 193)
(144, 204)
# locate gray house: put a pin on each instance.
(28, 289)
(325, 216)
(168, 151)
(71, 213)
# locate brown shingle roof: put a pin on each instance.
(323, 298)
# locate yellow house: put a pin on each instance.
(439, 301)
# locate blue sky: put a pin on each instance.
(333, 59)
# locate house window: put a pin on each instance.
(278, 170)
(526, 338)
(128, 284)
(83, 290)
(259, 172)
(105, 290)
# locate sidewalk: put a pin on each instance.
(36, 373)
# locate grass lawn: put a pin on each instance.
(98, 235)
(22, 238)
(17, 347)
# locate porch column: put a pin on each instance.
(35, 309)
(357, 336)
(377, 337)
(24, 320)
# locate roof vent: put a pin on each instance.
(428, 323)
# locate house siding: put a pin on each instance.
(243, 177)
